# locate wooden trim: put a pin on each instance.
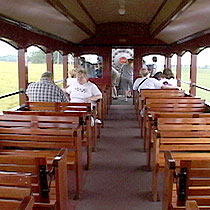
(56, 4)
(31, 29)
(22, 74)
(193, 36)
(85, 10)
(168, 62)
(193, 74)
(65, 69)
(180, 9)
(159, 9)
(49, 62)
(179, 70)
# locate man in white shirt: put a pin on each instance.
(148, 83)
(145, 82)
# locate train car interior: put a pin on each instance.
(135, 147)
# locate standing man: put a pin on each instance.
(45, 90)
(154, 66)
(127, 77)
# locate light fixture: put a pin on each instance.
(121, 10)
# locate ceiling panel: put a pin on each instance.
(193, 20)
(42, 16)
(104, 11)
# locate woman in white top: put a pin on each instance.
(83, 91)
(168, 78)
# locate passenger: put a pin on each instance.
(158, 76)
(99, 70)
(114, 80)
(45, 90)
(154, 66)
(168, 78)
(82, 90)
(127, 77)
(71, 76)
(148, 83)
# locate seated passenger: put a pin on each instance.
(168, 78)
(148, 83)
(82, 90)
(45, 90)
(71, 76)
(158, 76)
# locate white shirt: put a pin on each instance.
(171, 81)
(70, 80)
(149, 83)
(79, 93)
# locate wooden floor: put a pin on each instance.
(118, 179)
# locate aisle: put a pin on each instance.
(118, 180)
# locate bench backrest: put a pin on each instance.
(156, 115)
(31, 131)
(183, 134)
(176, 105)
(58, 106)
(188, 104)
(195, 181)
(185, 185)
(14, 187)
(36, 167)
(78, 118)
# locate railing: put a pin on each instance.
(194, 85)
(12, 94)
(185, 82)
(200, 87)
(58, 81)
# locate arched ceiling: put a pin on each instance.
(145, 22)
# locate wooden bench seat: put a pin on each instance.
(15, 191)
(49, 185)
(155, 94)
(73, 108)
(180, 136)
(76, 118)
(168, 107)
(44, 134)
(188, 181)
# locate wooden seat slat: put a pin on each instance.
(197, 183)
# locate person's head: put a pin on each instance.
(130, 60)
(100, 65)
(154, 59)
(82, 59)
(73, 73)
(168, 74)
(46, 75)
(144, 72)
(158, 75)
(82, 77)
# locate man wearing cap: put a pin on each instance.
(45, 90)
(127, 77)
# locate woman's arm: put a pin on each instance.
(93, 98)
